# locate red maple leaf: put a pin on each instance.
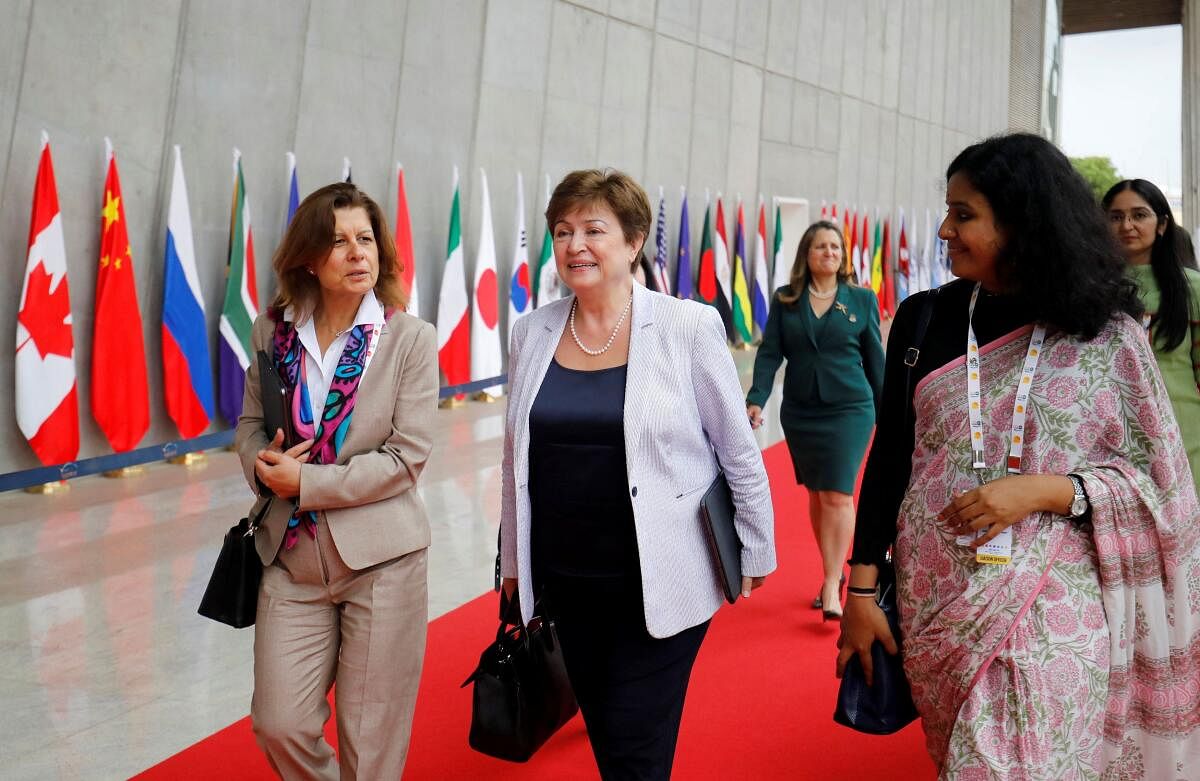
(45, 314)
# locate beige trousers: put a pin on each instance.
(319, 621)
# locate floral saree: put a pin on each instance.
(1080, 658)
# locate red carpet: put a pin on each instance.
(759, 705)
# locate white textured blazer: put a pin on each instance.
(684, 415)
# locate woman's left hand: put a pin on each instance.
(749, 584)
(999, 504)
(280, 471)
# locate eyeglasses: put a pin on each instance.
(1137, 215)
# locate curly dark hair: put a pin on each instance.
(1170, 253)
(1059, 257)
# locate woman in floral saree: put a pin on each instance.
(1037, 495)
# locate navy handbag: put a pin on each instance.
(887, 706)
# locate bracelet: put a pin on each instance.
(862, 592)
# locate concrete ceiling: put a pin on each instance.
(1093, 16)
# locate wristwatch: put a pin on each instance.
(1079, 504)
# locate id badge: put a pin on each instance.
(998, 550)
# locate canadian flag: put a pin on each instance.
(47, 406)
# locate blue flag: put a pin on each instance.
(293, 189)
(683, 268)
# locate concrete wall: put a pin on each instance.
(1191, 117)
(858, 101)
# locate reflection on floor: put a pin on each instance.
(105, 667)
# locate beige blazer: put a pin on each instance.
(368, 498)
(684, 420)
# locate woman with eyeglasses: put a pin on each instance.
(1160, 259)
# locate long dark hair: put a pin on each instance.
(1059, 257)
(799, 276)
(1169, 254)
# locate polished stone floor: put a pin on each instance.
(105, 667)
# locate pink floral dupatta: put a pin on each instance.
(1081, 658)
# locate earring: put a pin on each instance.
(310, 271)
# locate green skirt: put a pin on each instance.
(827, 442)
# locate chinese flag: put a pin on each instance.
(120, 394)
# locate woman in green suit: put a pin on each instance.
(827, 329)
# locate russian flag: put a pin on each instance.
(187, 367)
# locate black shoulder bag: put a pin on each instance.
(231, 596)
(521, 692)
(888, 705)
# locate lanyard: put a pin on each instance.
(1016, 439)
(999, 549)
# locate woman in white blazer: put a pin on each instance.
(623, 405)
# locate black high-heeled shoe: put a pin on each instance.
(816, 603)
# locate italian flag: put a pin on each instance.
(783, 272)
(546, 284)
(454, 336)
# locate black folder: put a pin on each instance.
(274, 401)
(716, 512)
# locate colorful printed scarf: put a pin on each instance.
(1081, 658)
(330, 432)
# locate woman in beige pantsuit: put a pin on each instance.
(343, 594)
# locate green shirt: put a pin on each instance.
(1179, 366)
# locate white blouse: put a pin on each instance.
(320, 368)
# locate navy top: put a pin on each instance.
(581, 514)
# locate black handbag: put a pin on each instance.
(521, 692)
(887, 706)
(232, 593)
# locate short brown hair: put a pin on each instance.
(611, 187)
(799, 276)
(309, 239)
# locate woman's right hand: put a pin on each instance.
(862, 624)
(508, 586)
(754, 412)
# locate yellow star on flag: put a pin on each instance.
(111, 207)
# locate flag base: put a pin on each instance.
(55, 487)
(190, 460)
(126, 471)
(451, 402)
(485, 397)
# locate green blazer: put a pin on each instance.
(841, 362)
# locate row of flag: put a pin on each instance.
(469, 343)
(46, 396)
(868, 254)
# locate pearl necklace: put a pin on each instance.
(817, 294)
(611, 339)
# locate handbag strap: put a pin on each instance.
(256, 521)
(914, 352)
